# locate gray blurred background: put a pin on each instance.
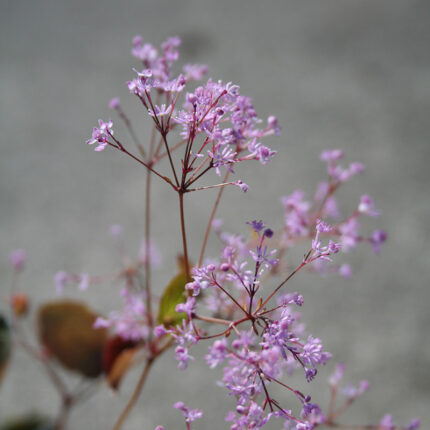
(338, 74)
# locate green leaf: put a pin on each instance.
(172, 296)
(28, 422)
(66, 331)
(5, 345)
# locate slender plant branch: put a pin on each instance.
(212, 320)
(53, 376)
(131, 131)
(163, 135)
(172, 149)
(122, 149)
(358, 427)
(232, 298)
(333, 395)
(189, 190)
(147, 248)
(135, 395)
(194, 179)
(140, 383)
(284, 282)
(211, 218)
(63, 415)
(184, 235)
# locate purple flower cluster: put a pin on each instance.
(131, 321)
(275, 343)
(304, 218)
(101, 135)
(263, 340)
(17, 259)
(219, 126)
(190, 415)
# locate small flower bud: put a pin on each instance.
(114, 103)
(137, 40)
(268, 233)
(225, 267)
(241, 409)
(20, 304)
(17, 259)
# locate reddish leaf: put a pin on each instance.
(113, 348)
(122, 364)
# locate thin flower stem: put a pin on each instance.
(257, 268)
(291, 417)
(197, 169)
(141, 383)
(190, 141)
(135, 395)
(341, 410)
(153, 134)
(231, 297)
(331, 190)
(154, 117)
(158, 148)
(147, 249)
(130, 129)
(63, 415)
(212, 106)
(172, 149)
(296, 392)
(213, 336)
(333, 395)
(152, 143)
(55, 379)
(358, 427)
(284, 282)
(184, 235)
(264, 312)
(203, 145)
(232, 326)
(240, 279)
(210, 186)
(165, 347)
(122, 149)
(194, 179)
(211, 218)
(268, 399)
(212, 320)
(67, 399)
(163, 135)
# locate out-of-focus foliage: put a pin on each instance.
(5, 345)
(28, 422)
(20, 304)
(66, 331)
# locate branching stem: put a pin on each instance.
(135, 394)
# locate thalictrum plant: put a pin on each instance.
(240, 303)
